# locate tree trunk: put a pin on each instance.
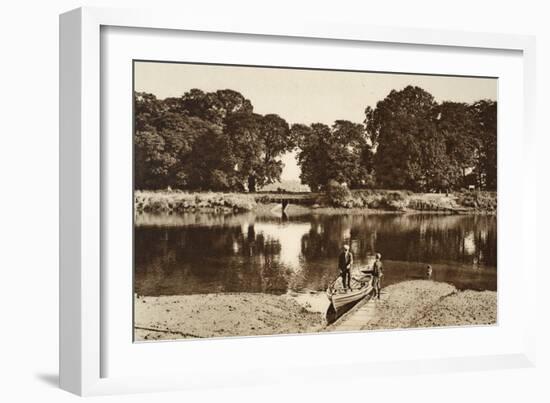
(251, 183)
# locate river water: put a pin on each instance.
(206, 253)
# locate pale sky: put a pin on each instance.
(304, 96)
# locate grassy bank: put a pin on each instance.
(356, 200)
(403, 200)
(180, 202)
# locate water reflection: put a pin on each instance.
(199, 253)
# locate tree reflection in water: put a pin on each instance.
(202, 253)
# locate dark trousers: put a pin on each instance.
(346, 278)
(376, 285)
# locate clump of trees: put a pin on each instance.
(422, 145)
(215, 141)
(207, 141)
(340, 153)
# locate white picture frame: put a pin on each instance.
(83, 308)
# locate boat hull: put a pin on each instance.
(341, 301)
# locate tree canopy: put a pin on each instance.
(422, 145)
(207, 141)
(215, 141)
(339, 153)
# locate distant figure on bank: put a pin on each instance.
(345, 260)
(429, 271)
(377, 274)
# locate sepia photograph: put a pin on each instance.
(272, 200)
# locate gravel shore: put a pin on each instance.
(225, 315)
(424, 303)
(410, 304)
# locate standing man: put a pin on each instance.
(377, 274)
(345, 260)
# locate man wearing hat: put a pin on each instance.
(345, 260)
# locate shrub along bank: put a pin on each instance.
(404, 200)
(336, 196)
(179, 202)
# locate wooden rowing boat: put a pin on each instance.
(342, 299)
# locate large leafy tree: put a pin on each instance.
(410, 152)
(210, 106)
(354, 168)
(244, 129)
(166, 148)
(275, 139)
(147, 108)
(169, 147)
(214, 140)
(314, 153)
(211, 163)
(208, 166)
(485, 116)
(257, 142)
(207, 141)
(456, 123)
(339, 153)
(152, 163)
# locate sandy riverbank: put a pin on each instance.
(225, 315)
(410, 304)
(424, 303)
